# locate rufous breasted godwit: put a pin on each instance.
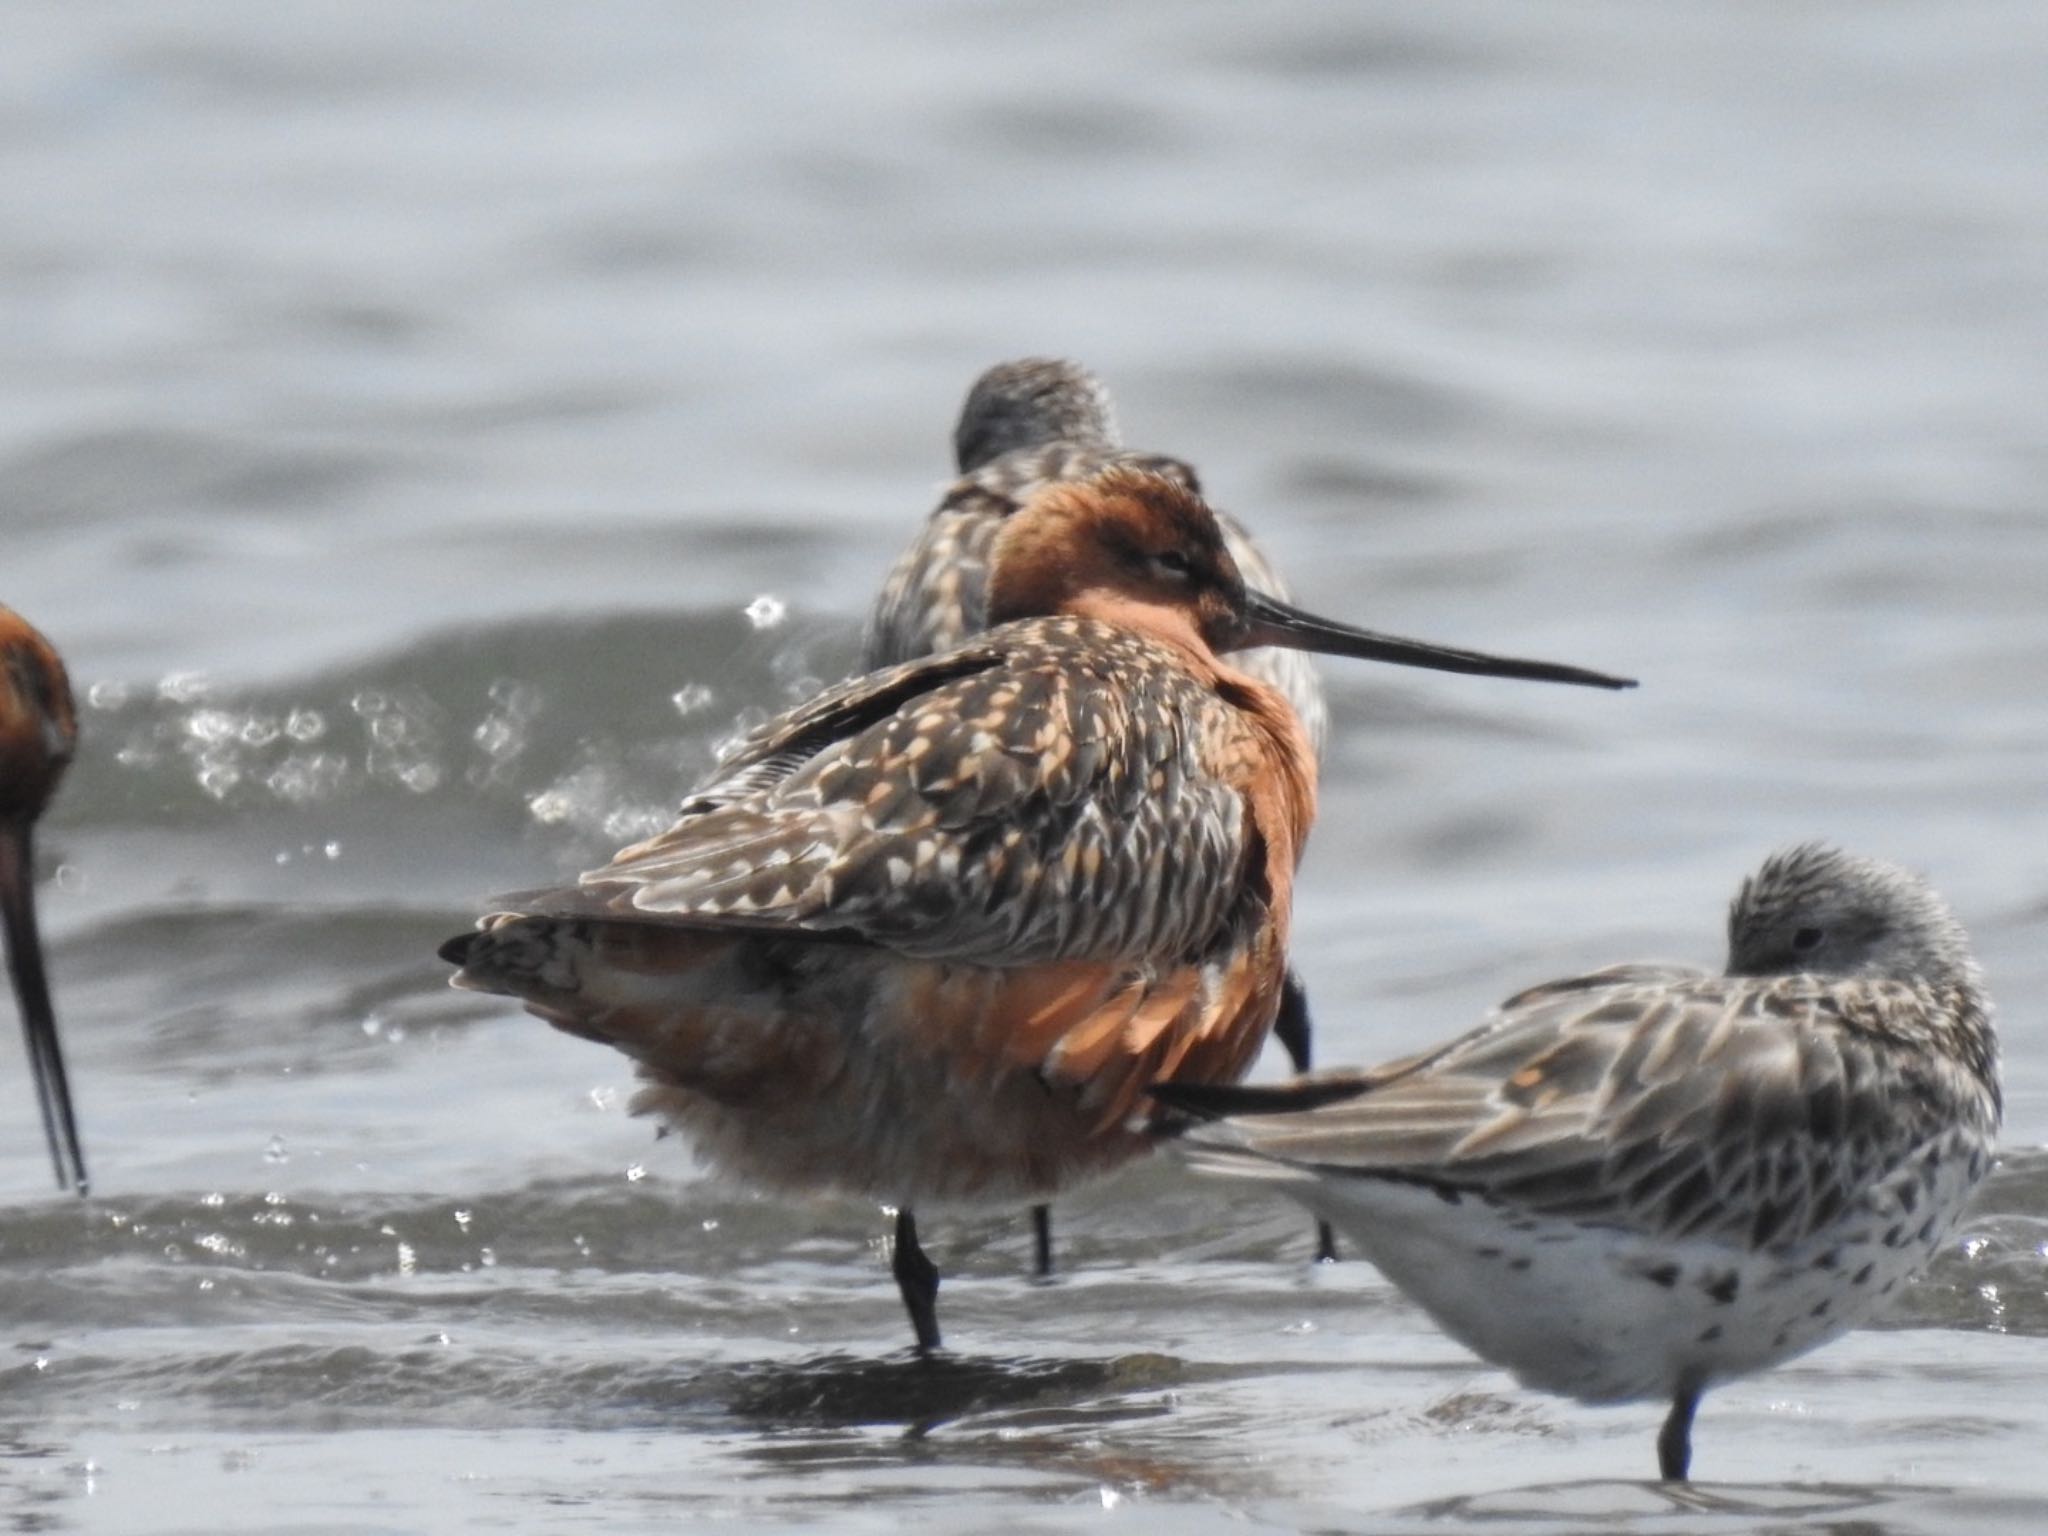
(1027, 424)
(928, 936)
(38, 733)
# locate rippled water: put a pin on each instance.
(428, 429)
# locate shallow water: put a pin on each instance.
(404, 408)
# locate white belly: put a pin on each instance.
(1608, 1315)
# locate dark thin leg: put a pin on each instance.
(1326, 1243)
(38, 1018)
(917, 1277)
(1041, 1241)
(1674, 1441)
(1292, 1029)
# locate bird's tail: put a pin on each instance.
(529, 957)
(709, 1011)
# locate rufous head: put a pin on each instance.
(1125, 544)
(1137, 549)
(38, 725)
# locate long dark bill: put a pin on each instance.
(38, 1018)
(1272, 622)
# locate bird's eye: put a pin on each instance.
(1806, 939)
(1174, 563)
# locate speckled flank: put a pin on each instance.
(1642, 1181)
(1026, 425)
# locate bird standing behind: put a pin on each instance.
(1028, 424)
(1025, 425)
(1644, 1181)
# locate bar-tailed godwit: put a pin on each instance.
(1648, 1180)
(1027, 424)
(38, 733)
(928, 936)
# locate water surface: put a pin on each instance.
(405, 409)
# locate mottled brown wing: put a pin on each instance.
(1055, 805)
(777, 748)
(1746, 1109)
(936, 595)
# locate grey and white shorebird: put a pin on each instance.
(1641, 1182)
(1027, 424)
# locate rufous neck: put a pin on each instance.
(1157, 621)
(1289, 780)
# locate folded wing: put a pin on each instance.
(1648, 1098)
(1041, 794)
